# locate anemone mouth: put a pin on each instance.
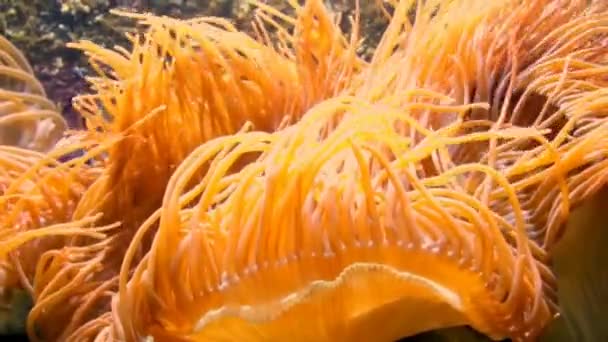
(362, 295)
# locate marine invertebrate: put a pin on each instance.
(38, 200)
(29, 119)
(239, 80)
(330, 216)
(150, 110)
(358, 226)
(290, 182)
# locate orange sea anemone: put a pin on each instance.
(37, 208)
(186, 82)
(360, 230)
(27, 118)
(235, 189)
(148, 109)
(282, 247)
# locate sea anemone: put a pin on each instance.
(230, 188)
(360, 230)
(27, 118)
(259, 269)
(29, 123)
(148, 110)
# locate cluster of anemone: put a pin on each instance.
(279, 186)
